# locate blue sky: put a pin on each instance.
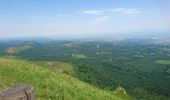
(81, 18)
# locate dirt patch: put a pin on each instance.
(10, 50)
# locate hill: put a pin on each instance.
(50, 85)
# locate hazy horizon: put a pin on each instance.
(82, 19)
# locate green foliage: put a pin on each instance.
(49, 85)
(58, 67)
(163, 62)
(138, 56)
(15, 50)
(79, 55)
(135, 65)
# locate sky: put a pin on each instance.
(81, 18)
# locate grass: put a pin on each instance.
(48, 84)
(138, 56)
(163, 62)
(57, 67)
(79, 56)
(12, 50)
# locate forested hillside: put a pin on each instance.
(51, 85)
(139, 68)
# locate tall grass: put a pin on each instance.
(49, 85)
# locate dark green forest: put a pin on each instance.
(141, 67)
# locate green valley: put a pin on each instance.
(89, 70)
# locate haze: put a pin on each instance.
(82, 18)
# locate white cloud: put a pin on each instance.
(132, 12)
(126, 11)
(93, 12)
(99, 15)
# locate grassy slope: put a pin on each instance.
(18, 49)
(48, 84)
(163, 62)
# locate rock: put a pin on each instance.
(18, 92)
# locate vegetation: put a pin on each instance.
(163, 62)
(48, 84)
(133, 65)
(79, 55)
(12, 50)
